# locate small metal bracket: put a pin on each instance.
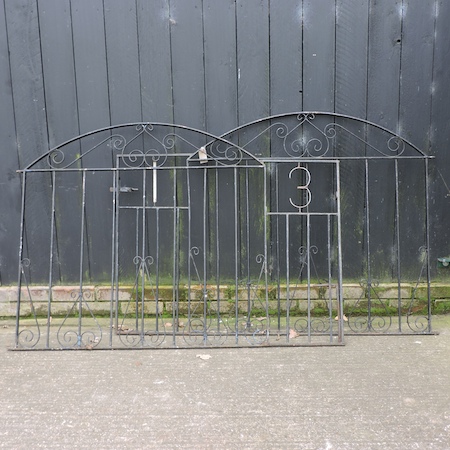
(444, 262)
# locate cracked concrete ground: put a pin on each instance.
(386, 392)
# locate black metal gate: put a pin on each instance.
(211, 211)
(212, 241)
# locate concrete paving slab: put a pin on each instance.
(384, 392)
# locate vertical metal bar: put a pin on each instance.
(205, 291)
(157, 271)
(50, 270)
(113, 243)
(19, 276)
(155, 183)
(236, 254)
(427, 233)
(175, 299)
(266, 216)
(116, 243)
(216, 172)
(308, 270)
(247, 243)
(330, 293)
(397, 237)
(288, 300)
(277, 247)
(306, 178)
(369, 274)
(177, 268)
(339, 230)
(138, 267)
(80, 294)
(143, 252)
(189, 290)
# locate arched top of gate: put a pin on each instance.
(141, 145)
(323, 135)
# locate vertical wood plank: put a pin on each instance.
(123, 61)
(440, 136)
(415, 109)
(59, 71)
(350, 98)
(27, 79)
(286, 55)
(93, 107)
(187, 62)
(90, 64)
(253, 59)
(221, 116)
(124, 82)
(62, 112)
(155, 60)
(9, 179)
(220, 65)
(319, 55)
(351, 56)
(31, 125)
(319, 26)
(253, 74)
(385, 30)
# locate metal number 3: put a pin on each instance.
(302, 187)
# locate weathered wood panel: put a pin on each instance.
(385, 36)
(286, 56)
(253, 59)
(188, 71)
(440, 136)
(221, 115)
(76, 66)
(30, 115)
(319, 55)
(351, 98)
(9, 179)
(93, 112)
(415, 110)
(123, 61)
(155, 60)
(62, 113)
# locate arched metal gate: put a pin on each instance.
(211, 241)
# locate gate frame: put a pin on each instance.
(53, 154)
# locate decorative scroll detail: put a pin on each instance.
(224, 153)
(312, 325)
(57, 158)
(373, 317)
(207, 325)
(395, 146)
(204, 325)
(145, 149)
(418, 323)
(301, 144)
(136, 329)
(317, 325)
(30, 336)
(80, 336)
(255, 324)
(304, 255)
(312, 135)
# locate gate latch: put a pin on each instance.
(124, 189)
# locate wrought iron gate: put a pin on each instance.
(212, 241)
(212, 212)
